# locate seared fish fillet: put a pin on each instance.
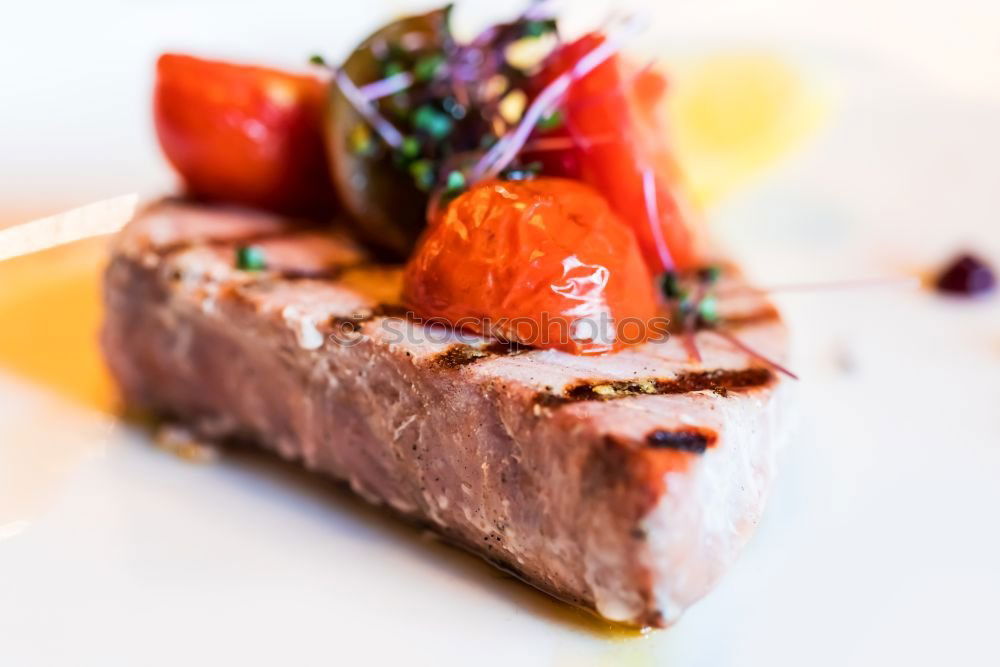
(624, 483)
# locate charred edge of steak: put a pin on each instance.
(460, 355)
(721, 381)
(695, 441)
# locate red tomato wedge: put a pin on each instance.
(542, 262)
(244, 134)
(613, 137)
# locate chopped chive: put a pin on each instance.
(539, 28)
(392, 68)
(670, 285)
(709, 274)
(456, 180)
(433, 122)
(317, 59)
(411, 147)
(708, 310)
(522, 172)
(550, 121)
(428, 67)
(250, 258)
(422, 172)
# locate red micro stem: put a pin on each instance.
(653, 217)
(691, 346)
(736, 342)
(689, 338)
(543, 144)
(909, 281)
(507, 148)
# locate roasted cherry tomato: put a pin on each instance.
(374, 185)
(610, 134)
(541, 262)
(244, 134)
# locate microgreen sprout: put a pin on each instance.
(250, 258)
(455, 181)
(507, 148)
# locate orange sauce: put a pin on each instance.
(49, 319)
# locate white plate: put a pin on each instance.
(880, 544)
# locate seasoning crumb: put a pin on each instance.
(184, 445)
(250, 258)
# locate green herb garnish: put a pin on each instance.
(392, 68)
(431, 121)
(709, 274)
(670, 285)
(422, 172)
(708, 310)
(522, 172)
(410, 148)
(250, 258)
(539, 28)
(550, 121)
(428, 67)
(456, 181)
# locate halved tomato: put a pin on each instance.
(244, 134)
(613, 137)
(541, 262)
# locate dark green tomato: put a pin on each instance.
(385, 200)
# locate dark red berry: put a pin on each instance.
(967, 275)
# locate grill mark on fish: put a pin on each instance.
(693, 440)
(721, 381)
(459, 355)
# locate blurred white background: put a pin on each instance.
(76, 75)
(881, 544)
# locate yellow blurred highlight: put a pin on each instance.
(734, 114)
(49, 319)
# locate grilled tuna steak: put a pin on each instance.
(625, 484)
